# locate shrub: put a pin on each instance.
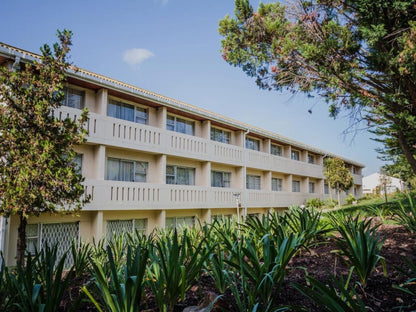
(331, 203)
(359, 245)
(350, 199)
(315, 203)
(406, 215)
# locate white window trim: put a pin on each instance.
(175, 174)
(134, 168)
(135, 105)
(175, 118)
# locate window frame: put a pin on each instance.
(174, 126)
(277, 184)
(311, 159)
(175, 224)
(295, 186)
(257, 182)
(137, 110)
(311, 187)
(250, 143)
(174, 175)
(220, 135)
(136, 166)
(73, 91)
(293, 153)
(225, 179)
(274, 147)
(326, 188)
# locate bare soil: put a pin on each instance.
(319, 262)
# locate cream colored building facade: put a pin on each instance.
(151, 161)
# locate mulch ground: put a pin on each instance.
(319, 263)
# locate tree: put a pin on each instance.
(385, 183)
(37, 172)
(338, 176)
(360, 55)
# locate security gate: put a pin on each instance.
(61, 234)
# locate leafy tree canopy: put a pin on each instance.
(37, 173)
(360, 55)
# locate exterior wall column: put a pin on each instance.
(320, 186)
(99, 162)
(287, 151)
(266, 146)
(205, 176)
(101, 100)
(239, 178)
(161, 115)
(205, 215)
(98, 225)
(287, 183)
(159, 174)
(160, 219)
(267, 181)
(304, 187)
(239, 139)
(304, 156)
(206, 129)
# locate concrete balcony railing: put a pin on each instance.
(118, 195)
(124, 134)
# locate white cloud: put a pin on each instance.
(134, 57)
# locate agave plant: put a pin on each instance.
(360, 245)
(175, 264)
(80, 255)
(121, 291)
(333, 296)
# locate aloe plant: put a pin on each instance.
(119, 291)
(175, 264)
(41, 284)
(406, 215)
(80, 255)
(335, 295)
(359, 245)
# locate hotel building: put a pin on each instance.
(151, 161)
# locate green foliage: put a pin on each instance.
(333, 296)
(411, 274)
(315, 203)
(406, 215)
(37, 173)
(121, 290)
(80, 255)
(359, 245)
(350, 199)
(175, 264)
(352, 53)
(331, 202)
(41, 284)
(338, 176)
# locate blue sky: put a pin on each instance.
(173, 47)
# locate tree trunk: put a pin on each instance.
(339, 198)
(21, 240)
(406, 150)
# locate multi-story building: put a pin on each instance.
(151, 161)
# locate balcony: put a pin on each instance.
(118, 195)
(124, 134)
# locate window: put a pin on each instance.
(127, 112)
(311, 159)
(220, 135)
(126, 170)
(277, 184)
(295, 155)
(276, 150)
(326, 188)
(175, 222)
(311, 187)
(253, 144)
(355, 191)
(177, 124)
(73, 98)
(32, 238)
(220, 179)
(253, 182)
(354, 170)
(78, 163)
(220, 217)
(180, 175)
(295, 186)
(119, 227)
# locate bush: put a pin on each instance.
(315, 203)
(331, 203)
(350, 199)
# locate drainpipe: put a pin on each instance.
(245, 173)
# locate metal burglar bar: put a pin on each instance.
(61, 234)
